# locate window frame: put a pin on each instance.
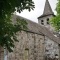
(42, 22)
(48, 21)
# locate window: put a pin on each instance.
(42, 22)
(47, 50)
(47, 20)
(26, 53)
(5, 54)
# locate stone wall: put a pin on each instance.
(31, 43)
(51, 48)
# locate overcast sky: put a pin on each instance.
(39, 7)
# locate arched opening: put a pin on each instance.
(47, 20)
(42, 22)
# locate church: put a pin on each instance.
(38, 42)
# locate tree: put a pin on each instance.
(55, 21)
(8, 30)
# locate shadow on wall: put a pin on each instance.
(48, 58)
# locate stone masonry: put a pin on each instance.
(34, 43)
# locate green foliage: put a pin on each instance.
(55, 21)
(8, 30)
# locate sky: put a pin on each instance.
(39, 7)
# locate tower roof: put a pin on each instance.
(47, 10)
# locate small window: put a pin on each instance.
(47, 20)
(42, 22)
(47, 50)
(5, 54)
(26, 53)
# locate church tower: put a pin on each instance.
(46, 16)
(51, 48)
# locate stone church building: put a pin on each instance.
(35, 43)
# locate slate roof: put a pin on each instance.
(47, 10)
(36, 28)
(45, 15)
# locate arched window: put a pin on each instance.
(42, 22)
(5, 54)
(26, 54)
(47, 20)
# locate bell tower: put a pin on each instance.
(43, 20)
(46, 16)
